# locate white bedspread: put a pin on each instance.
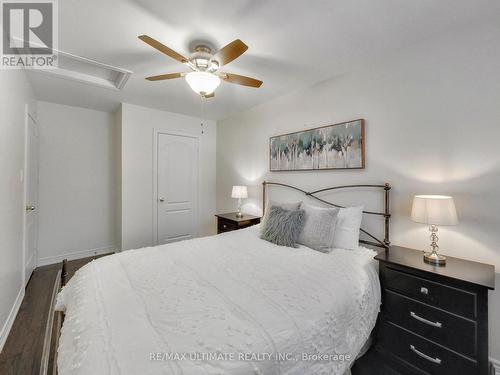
(218, 298)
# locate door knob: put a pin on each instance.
(30, 208)
(162, 200)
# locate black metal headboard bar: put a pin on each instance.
(386, 213)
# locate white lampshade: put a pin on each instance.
(202, 83)
(239, 192)
(434, 210)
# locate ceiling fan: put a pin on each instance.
(205, 76)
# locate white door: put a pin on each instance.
(177, 190)
(31, 197)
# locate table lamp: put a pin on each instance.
(434, 210)
(239, 192)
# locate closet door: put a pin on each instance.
(177, 190)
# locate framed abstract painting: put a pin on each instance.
(338, 146)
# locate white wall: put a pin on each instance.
(77, 207)
(15, 94)
(138, 125)
(96, 178)
(432, 126)
(118, 176)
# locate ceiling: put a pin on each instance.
(291, 44)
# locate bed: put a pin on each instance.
(226, 304)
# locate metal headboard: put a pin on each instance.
(385, 243)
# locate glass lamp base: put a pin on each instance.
(434, 258)
(239, 214)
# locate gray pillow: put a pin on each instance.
(319, 227)
(286, 206)
(283, 227)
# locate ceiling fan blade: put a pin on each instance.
(162, 48)
(162, 77)
(230, 52)
(241, 80)
(209, 95)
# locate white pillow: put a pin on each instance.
(347, 228)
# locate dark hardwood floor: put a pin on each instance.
(372, 364)
(74, 265)
(22, 353)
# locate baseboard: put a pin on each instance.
(4, 333)
(496, 366)
(75, 255)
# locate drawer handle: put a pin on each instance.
(423, 320)
(425, 356)
(224, 226)
(424, 290)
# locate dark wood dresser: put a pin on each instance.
(228, 222)
(434, 320)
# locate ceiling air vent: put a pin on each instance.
(88, 71)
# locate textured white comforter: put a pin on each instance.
(218, 298)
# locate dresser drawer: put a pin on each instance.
(451, 299)
(452, 331)
(423, 354)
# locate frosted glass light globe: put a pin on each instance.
(202, 83)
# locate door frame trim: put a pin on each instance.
(156, 134)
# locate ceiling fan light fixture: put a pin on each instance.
(205, 76)
(202, 83)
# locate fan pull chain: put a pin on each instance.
(202, 114)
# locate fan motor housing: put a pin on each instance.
(201, 59)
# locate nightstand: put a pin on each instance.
(228, 222)
(433, 320)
